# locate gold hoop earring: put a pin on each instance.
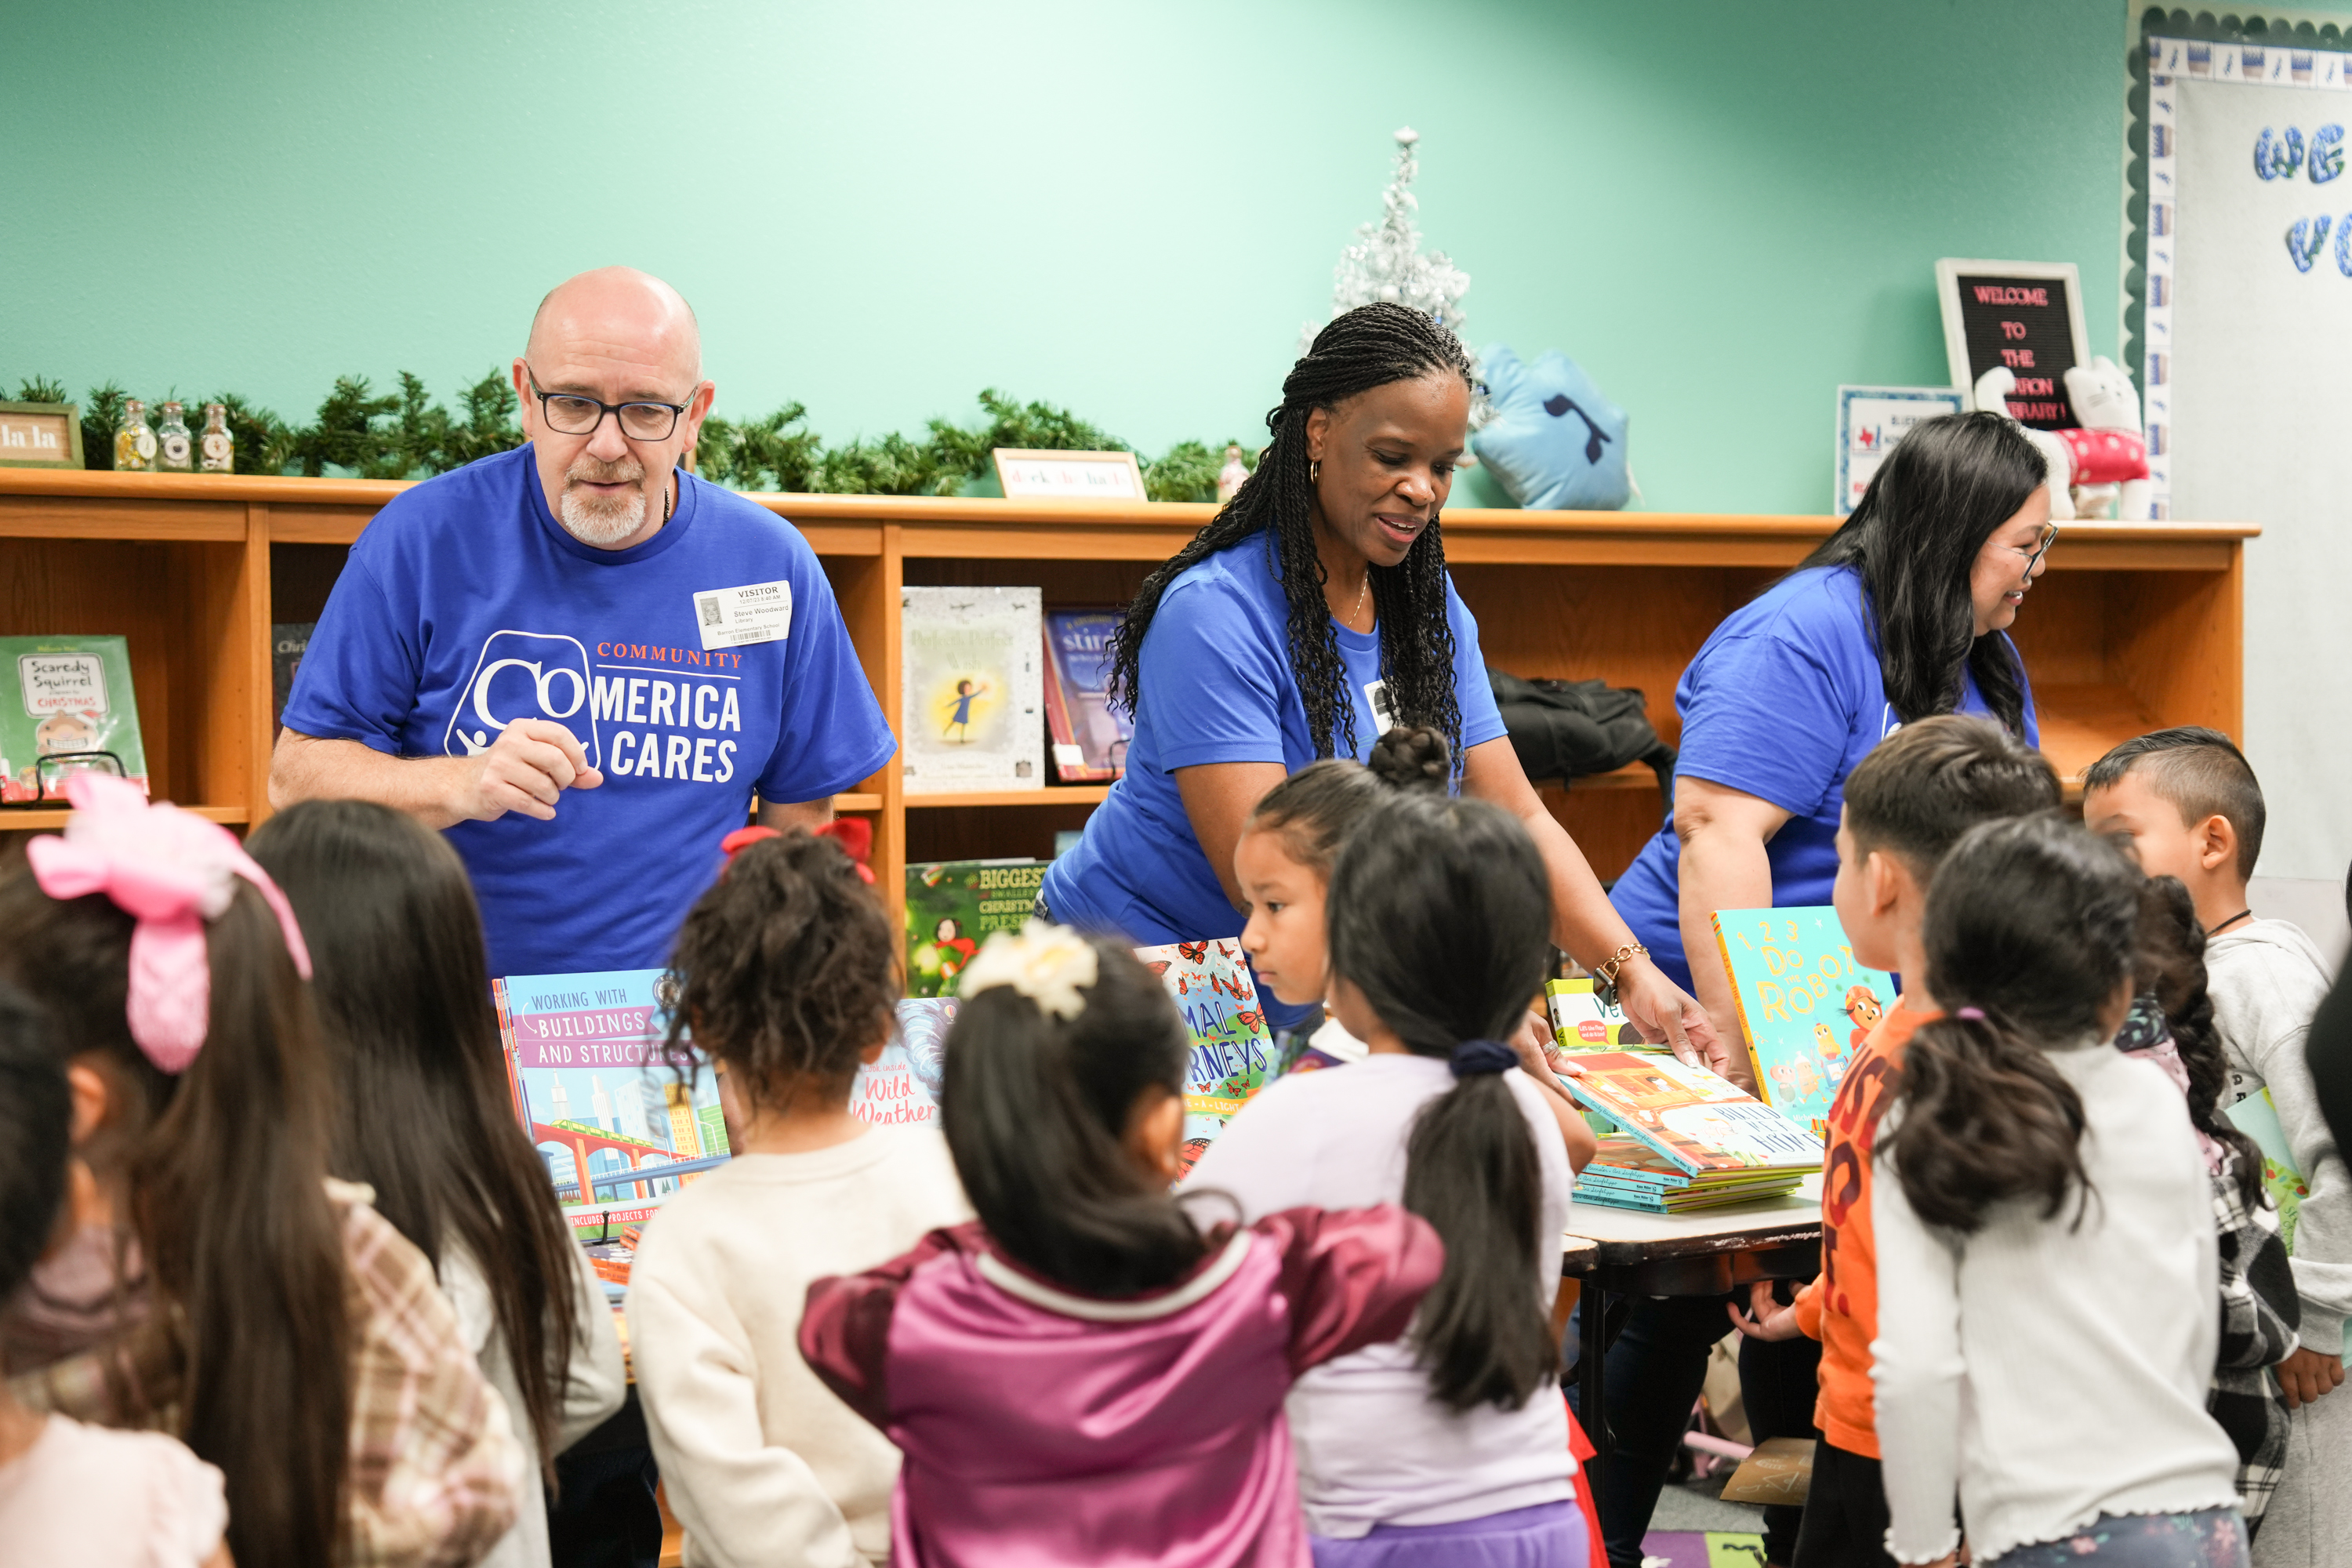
(1315, 471)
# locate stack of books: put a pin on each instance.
(1685, 1139)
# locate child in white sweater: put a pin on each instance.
(2047, 1265)
(788, 972)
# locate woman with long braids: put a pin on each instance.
(1312, 613)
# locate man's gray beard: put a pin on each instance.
(592, 520)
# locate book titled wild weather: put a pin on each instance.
(1702, 1124)
(1233, 1053)
(1805, 1006)
(68, 708)
(618, 1128)
(1090, 736)
(973, 689)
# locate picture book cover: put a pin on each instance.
(288, 641)
(1233, 1053)
(1580, 1021)
(1089, 737)
(1804, 1003)
(69, 707)
(952, 905)
(2257, 1117)
(901, 1089)
(1701, 1122)
(618, 1128)
(973, 689)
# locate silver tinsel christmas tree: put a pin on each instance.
(1386, 262)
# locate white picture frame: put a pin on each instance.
(1870, 422)
(1033, 475)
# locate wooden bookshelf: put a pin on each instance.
(2134, 626)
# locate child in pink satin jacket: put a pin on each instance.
(1085, 1376)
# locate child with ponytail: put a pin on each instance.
(787, 973)
(1283, 867)
(265, 1315)
(1086, 1376)
(2047, 1267)
(1453, 1444)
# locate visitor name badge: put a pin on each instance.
(733, 618)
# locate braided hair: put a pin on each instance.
(1370, 346)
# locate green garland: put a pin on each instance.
(405, 434)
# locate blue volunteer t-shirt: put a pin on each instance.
(1218, 687)
(1780, 703)
(465, 605)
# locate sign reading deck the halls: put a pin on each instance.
(2024, 316)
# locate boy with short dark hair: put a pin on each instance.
(1906, 804)
(2187, 803)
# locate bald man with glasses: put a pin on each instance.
(581, 661)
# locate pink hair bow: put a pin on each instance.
(170, 870)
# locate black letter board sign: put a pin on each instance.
(2026, 315)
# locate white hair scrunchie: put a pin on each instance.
(1049, 965)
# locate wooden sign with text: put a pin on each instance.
(40, 435)
(2026, 315)
(1070, 476)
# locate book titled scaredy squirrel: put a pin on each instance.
(1233, 1053)
(1805, 1006)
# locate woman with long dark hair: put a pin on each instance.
(1902, 613)
(425, 1119)
(1313, 613)
(1899, 615)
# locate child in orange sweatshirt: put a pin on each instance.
(1905, 804)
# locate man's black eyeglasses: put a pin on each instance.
(569, 414)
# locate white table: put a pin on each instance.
(1626, 1252)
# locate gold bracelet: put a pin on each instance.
(1616, 961)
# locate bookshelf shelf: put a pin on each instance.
(2134, 626)
(47, 819)
(1051, 794)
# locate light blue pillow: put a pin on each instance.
(1556, 443)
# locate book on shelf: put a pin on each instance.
(2257, 1117)
(1232, 1052)
(1581, 1021)
(618, 1127)
(1089, 737)
(952, 905)
(972, 690)
(1701, 1123)
(1805, 1006)
(69, 709)
(901, 1087)
(288, 641)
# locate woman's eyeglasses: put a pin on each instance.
(569, 414)
(2049, 537)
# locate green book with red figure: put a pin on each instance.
(952, 905)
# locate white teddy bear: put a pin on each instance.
(2099, 469)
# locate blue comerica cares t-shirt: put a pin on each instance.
(1780, 703)
(465, 605)
(1218, 687)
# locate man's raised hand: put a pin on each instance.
(532, 762)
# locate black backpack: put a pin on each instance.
(1573, 729)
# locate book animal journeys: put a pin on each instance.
(1805, 1006)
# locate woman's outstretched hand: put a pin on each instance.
(1667, 1014)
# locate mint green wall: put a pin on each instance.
(1722, 209)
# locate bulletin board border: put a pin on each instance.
(2240, 46)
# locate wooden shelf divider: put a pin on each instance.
(2135, 625)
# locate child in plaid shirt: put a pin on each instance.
(278, 1324)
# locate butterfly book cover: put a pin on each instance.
(1089, 736)
(952, 905)
(1700, 1123)
(973, 689)
(1233, 1051)
(617, 1127)
(1805, 1006)
(69, 707)
(901, 1087)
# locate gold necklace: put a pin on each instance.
(1362, 594)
